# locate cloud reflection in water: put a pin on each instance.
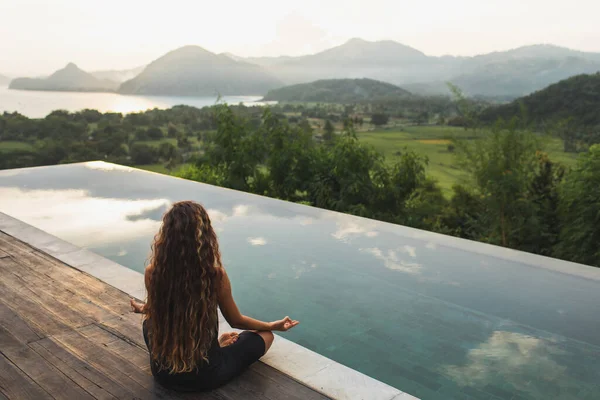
(106, 220)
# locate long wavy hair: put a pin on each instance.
(181, 308)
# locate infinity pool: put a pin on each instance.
(434, 316)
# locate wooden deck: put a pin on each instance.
(67, 335)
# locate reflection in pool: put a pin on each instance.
(437, 317)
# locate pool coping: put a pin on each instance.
(303, 365)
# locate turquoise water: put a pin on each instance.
(437, 317)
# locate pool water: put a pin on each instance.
(434, 316)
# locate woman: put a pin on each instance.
(186, 282)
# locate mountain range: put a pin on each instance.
(509, 74)
(70, 78)
(192, 70)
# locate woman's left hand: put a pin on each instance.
(284, 324)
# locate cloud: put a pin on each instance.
(510, 357)
(431, 246)
(240, 210)
(347, 229)
(77, 217)
(257, 241)
(410, 250)
(391, 261)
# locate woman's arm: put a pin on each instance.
(136, 306)
(239, 321)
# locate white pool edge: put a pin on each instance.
(303, 365)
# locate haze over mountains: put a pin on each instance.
(4, 80)
(194, 71)
(118, 75)
(510, 73)
(70, 78)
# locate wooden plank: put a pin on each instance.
(35, 367)
(118, 344)
(18, 287)
(34, 315)
(17, 327)
(87, 308)
(14, 384)
(77, 281)
(113, 366)
(91, 380)
(7, 241)
(129, 327)
(3, 254)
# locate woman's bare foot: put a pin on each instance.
(136, 307)
(228, 339)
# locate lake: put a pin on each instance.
(38, 104)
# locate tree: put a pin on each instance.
(184, 143)
(379, 119)
(142, 154)
(233, 152)
(544, 195)
(328, 131)
(141, 135)
(172, 131)
(154, 133)
(502, 165)
(579, 208)
(287, 158)
(167, 151)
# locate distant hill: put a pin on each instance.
(192, 71)
(118, 75)
(4, 80)
(386, 60)
(519, 77)
(337, 91)
(504, 74)
(577, 97)
(69, 79)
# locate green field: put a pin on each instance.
(432, 141)
(9, 145)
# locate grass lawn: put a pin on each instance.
(432, 141)
(11, 145)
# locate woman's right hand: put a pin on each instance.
(283, 324)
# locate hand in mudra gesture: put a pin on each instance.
(284, 324)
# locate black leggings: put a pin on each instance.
(224, 364)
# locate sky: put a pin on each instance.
(38, 37)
